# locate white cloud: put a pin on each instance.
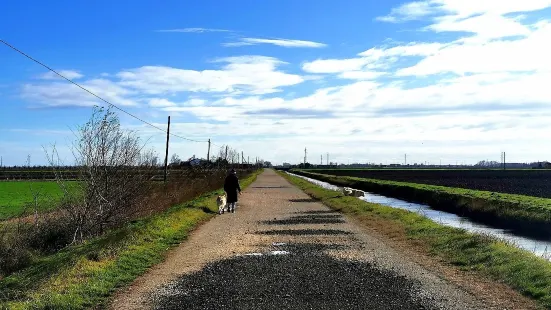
(371, 63)
(70, 74)
(244, 74)
(461, 8)
(483, 19)
(409, 11)
(161, 103)
(194, 30)
(411, 49)
(64, 94)
(361, 75)
(278, 42)
(334, 65)
(522, 55)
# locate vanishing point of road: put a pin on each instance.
(283, 250)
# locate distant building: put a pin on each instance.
(286, 165)
(192, 162)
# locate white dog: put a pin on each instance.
(347, 191)
(221, 202)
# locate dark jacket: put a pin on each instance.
(231, 187)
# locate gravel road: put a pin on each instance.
(282, 250)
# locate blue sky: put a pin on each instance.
(365, 81)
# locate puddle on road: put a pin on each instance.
(538, 247)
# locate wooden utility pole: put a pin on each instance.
(208, 153)
(166, 154)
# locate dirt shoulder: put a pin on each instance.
(281, 249)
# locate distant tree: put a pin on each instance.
(175, 159)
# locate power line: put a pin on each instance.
(91, 93)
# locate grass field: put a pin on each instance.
(529, 182)
(14, 196)
(530, 215)
(523, 271)
(85, 276)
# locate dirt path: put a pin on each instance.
(281, 250)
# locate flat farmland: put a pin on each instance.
(528, 182)
(14, 196)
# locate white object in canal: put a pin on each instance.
(347, 191)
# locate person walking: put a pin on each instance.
(232, 188)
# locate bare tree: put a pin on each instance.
(114, 174)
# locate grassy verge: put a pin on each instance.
(529, 215)
(83, 276)
(15, 195)
(521, 270)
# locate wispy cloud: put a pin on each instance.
(70, 74)
(194, 30)
(278, 42)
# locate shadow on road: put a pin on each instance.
(306, 219)
(269, 186)
(303, 200)
(304, 232)
(306, 278)
(318, 212)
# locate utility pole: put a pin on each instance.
(208, 153)
(305, 152)
(242, 159)
(321, 159)
(226, 156)
(405, 159)
(166, 154)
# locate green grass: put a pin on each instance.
(83, 276)
(15, 195)
(513, 210)
(523, 271)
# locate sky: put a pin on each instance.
(443, 81)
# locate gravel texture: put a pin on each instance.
(282, 250)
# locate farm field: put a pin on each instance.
(15, 195)
(527, 182)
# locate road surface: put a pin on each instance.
(282, 250)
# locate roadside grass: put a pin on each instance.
(15, 195)
(521, 270)
(84, 276)
(531, 215)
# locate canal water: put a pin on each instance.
(538, 247)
